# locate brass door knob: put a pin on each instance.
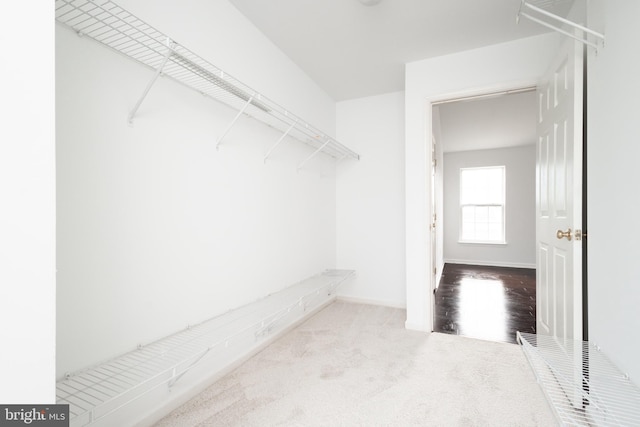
(560, 234)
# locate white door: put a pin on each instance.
(559, 196)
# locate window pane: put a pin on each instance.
(482, 185)
(482, 204)
(495, 232)
(495, 214)
(468, 231)
(482, 214)
(482, 231)
(468, 214)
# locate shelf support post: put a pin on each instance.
(278, 142)
(313, 154)
(233, 122)
(151, 82)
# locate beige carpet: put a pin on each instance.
(356, 365)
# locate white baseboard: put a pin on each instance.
(490, 263)
(370, 301)
(416, 327)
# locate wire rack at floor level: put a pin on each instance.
(95, 393)
(583, 387)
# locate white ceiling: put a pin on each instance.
(352, 50)
(498, 122)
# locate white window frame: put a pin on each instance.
(500, 241)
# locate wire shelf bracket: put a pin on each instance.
(273, 147)
(109, 24)
(304, 162)
(583, 387)
(541, 16)
(233, 122)
(152, 81)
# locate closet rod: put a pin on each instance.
(563, 20)
(586, 31)
(484, 95)
(560, 30)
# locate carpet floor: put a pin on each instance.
(356, 365)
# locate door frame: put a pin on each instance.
(426, 321)
(434, 79)
(470, 95)
(435, 225)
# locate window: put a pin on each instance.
(482, 203)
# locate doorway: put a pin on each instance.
(486, 275)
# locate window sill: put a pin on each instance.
(480, 242)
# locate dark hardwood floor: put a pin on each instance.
(490, 303)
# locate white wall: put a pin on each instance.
(370, 199)
(503, 66)
(157, 229)
(27, 207)
(613, 174)
(520, 204)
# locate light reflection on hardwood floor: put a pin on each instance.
(490, 303)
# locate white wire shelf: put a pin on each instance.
(111, 25)
(99, 391)
(583, 387)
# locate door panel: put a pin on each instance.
(543, 192)
(560, 137)
(561, 326)
(543, 292)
